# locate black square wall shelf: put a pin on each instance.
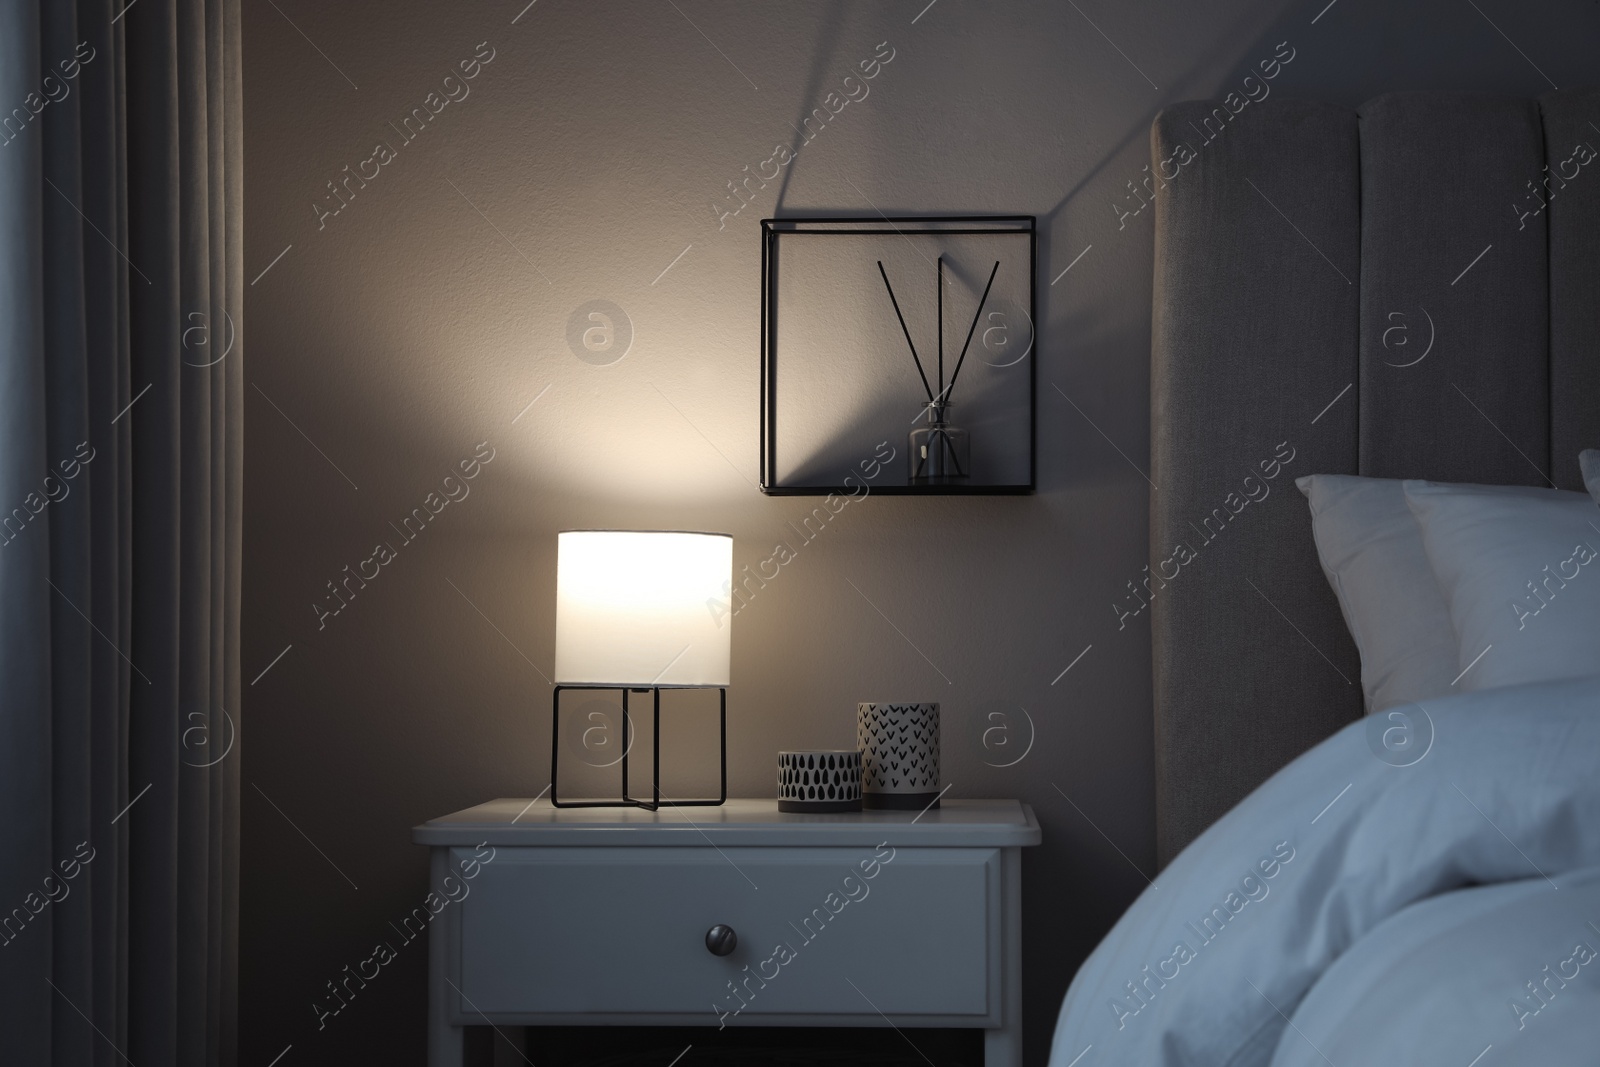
(844, 405)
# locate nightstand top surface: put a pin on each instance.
(953, 824)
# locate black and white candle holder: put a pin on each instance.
(819, 781)
(899, 755)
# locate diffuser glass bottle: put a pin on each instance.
(941, 454)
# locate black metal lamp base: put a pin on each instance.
(627, 801)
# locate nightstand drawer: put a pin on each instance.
(604, 931)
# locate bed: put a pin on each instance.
(1409, 290)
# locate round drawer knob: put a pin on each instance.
(721, 940)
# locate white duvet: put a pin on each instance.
(1380, 900)
(1493, 975)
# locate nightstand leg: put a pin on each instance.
(446, 1043)
(446, 1046)
(1002, 1047)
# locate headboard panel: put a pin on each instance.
(1438, 173)
(1301, 249)
(1572, 118)
(1234, 375)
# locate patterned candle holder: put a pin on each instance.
(899, 755)
(819, 781)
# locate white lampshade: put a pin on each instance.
(643, 608)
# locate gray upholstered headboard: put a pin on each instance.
(1398, 291)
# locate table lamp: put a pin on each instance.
(637, 612)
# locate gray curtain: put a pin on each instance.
(120, 439)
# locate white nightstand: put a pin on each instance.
(599, 916)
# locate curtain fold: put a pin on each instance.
(120, 505)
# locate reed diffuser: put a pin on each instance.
(940, 453)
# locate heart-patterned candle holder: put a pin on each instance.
(899, 755)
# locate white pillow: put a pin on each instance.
(1520, 568)
(1371, 550)
(1589, 460)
